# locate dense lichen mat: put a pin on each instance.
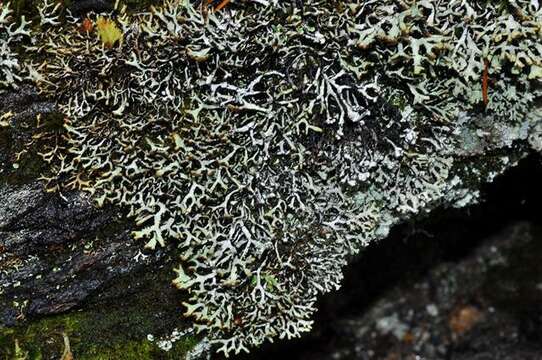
(272, 140)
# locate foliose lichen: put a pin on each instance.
(272, 141)
(11, 36)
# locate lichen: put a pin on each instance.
(272, 142)
(11, 36)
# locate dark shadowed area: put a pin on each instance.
(460, 284)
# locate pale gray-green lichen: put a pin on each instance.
(272, 142)
(11, 36)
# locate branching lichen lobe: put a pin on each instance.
(271, 142)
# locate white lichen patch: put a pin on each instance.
(11, 36)
(166, 343)
(272, 142)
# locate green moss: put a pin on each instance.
(133, 350)
(109, 331)
(92, 337)
(130, 351)
(40, 340)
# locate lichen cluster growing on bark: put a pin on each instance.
(11, 36)
(271, 141)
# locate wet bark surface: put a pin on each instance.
(60, 255)
(56, 249)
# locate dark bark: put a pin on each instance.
(59, 254)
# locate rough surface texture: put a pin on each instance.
(269, 142)
(484, 306)
(68, 267)
(457, 285)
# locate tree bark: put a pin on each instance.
(61, 255)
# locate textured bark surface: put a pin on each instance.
(68, 267)
(59, 255)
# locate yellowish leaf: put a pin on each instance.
(108, 31)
